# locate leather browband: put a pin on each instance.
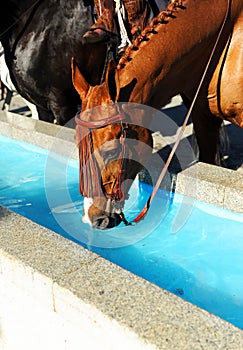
(95, 124)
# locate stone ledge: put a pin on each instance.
(93, 298)
(49, 136)
(212, 184)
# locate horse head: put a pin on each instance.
(112, 144)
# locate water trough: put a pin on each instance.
(54, 293)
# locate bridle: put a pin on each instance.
(117, 194)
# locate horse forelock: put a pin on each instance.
(161, 19)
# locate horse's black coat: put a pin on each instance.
(39, 39)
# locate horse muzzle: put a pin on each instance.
(104, 221)
(100, 214)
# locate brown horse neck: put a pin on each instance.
(175, 45)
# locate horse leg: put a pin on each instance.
(2, 90)
(64, 108)
(8, 99)
(8, 96)
(45, 115)
(207, 130)
(32, 108)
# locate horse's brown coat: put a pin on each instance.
(169, 58)
(104, 141)
(173, 57)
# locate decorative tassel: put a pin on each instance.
(89, 174)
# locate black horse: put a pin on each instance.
(39, 39)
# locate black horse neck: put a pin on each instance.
(13, 11)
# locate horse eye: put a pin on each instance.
(111, 154)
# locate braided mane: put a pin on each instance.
(151, 29)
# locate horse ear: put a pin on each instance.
(124, 92)
(111, 67)
(79, 81)
(110, 79)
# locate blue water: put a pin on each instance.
(190, 248)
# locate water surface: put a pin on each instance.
(201, 261)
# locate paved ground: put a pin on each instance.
(233, 154)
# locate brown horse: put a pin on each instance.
(108, 144)
(169, 58)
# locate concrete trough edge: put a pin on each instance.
(55, 293)
(212, 184)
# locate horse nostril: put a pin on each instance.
(103, 222)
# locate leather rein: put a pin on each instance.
(117, 194)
